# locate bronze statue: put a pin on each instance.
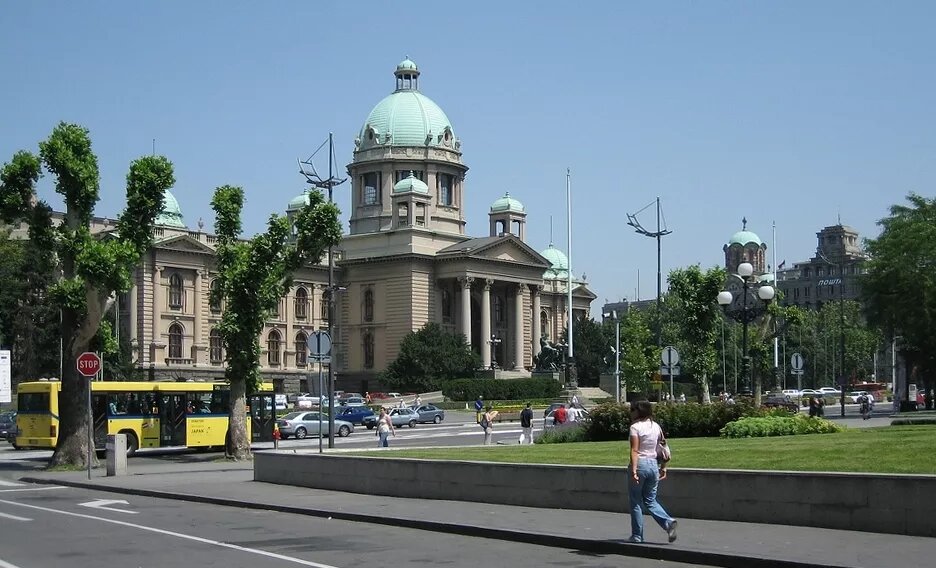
(549, 357)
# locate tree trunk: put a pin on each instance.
(237, 440)
(706, 394)
(74, 420)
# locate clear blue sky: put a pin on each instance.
(793, 112)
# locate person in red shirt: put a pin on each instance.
(560, 415)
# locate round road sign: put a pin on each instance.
(319, 343)
(89, 364)
(669, 356)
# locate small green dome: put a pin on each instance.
(411, 183)
(298, 202)
(171, 214)
(744, 238)
(507, 203)
(407, 65)
(559, 262)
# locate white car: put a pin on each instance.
(792, 393)
(855, 395)
(829, 391)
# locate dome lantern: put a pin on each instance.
(407, 75)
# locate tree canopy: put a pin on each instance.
(429, 356)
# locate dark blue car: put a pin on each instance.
(353, 414)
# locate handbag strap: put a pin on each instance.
(662, 435)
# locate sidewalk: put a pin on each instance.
(715, 543)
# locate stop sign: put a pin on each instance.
(89, 364)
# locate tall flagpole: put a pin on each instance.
(776, 339)
(569, 244)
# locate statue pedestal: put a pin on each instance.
(554, 375)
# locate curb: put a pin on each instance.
(618, 547)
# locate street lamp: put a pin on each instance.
(742, 304)
(494, 341)
(617, 354)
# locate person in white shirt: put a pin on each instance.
(573, 413)
(646, 472)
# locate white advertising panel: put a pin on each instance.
(6, 377)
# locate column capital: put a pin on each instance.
(519, 289)
(157, 268)
(535, 289)
(488, 282)
(466, 281)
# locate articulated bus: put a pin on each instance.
(151, 414)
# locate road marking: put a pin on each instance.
(32, 489)
(259, 552)
(105, 504)
(6, 483)
(4, 564)
(14, 517)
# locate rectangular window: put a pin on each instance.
(403, 174)
(33, 402)
(446, 183)
(370, 188)
(806, 291)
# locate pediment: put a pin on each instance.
(506, 248)
(184, 243)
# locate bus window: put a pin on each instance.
(220, 401)
(33, 402)
(199, 402)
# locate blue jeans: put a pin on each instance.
(643, 494)
(383, 439)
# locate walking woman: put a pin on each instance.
(487, 422)
(384, 429)
(646, 473)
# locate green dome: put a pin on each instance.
(507, 203)
(559, 262)
(411, 183)
(406, 117)
(171, 214)
(407, 65)
(744, 238)
(298, 202)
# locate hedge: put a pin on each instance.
(763, 426)
(495, 389)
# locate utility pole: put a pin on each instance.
(314, 179)
(658, 235)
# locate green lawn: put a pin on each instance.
(904, 449)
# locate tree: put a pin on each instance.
(429, 356)
(93, 268)
(591, 344)
(899, 287)
(691, 298)
(639, 353)
(252, 277)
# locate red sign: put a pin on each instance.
(89, 364)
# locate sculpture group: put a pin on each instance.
(550, 356)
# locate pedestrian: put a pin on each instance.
(813, 406)
(573, 413)
(367, 398)
(479, 408)
(821, 407)
(526, 424)
(682, 397)
(560, 416)
(487, 423)
(646, 473)
(384, 429)
(418, 400)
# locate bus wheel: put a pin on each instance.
(132, 443)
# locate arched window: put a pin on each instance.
(175, 341)
(368, 305)
(368, 350)
(302, 304)
(498, 309)
(302, 349)
(544, 324)
(446, 306)
(175, 291)
(274, 342)
(214, 299)
(215, 349)
(323, 308)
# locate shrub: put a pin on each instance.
(494, 389)
(690, 420)
(763, 426)
(608, 421)
(563, 434)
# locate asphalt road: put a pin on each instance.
(50, 526)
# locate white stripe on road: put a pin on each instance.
(9, 483)
(32, 489)
(4, 564)
(259, 552)
(14, 517)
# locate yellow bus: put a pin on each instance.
(151, 414)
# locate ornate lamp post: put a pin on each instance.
(744, 301)
(617, 353)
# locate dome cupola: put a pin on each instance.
(171, 214)
(745, 246)
(411, 183)
(507, 203)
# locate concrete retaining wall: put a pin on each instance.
(899, 504)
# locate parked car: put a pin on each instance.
(827, 391)
(353, 414)
(855, 395)
(781, 401)
(809, 392)
(8, 426)
(429, 413)
(346, 395)
(393, 395)
(302, 424)
(353, 401)
(398, 417)
(552, 407)
(792, 393)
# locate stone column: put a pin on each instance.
(486, 324)
(134, 331)
(537, 323)
(156, 340)
(465, 328)
(518, 328)
(198, 346)
(289, 342)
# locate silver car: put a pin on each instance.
(302, 424)
(398, 417)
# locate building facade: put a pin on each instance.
(831, 274)
(406, 261)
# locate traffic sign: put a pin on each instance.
(669, 371)
(89, 364)
(797, 361)
(319, 344)
(669, 356)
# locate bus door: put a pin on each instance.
(99, 416)
(172, 427)
(262, 417)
